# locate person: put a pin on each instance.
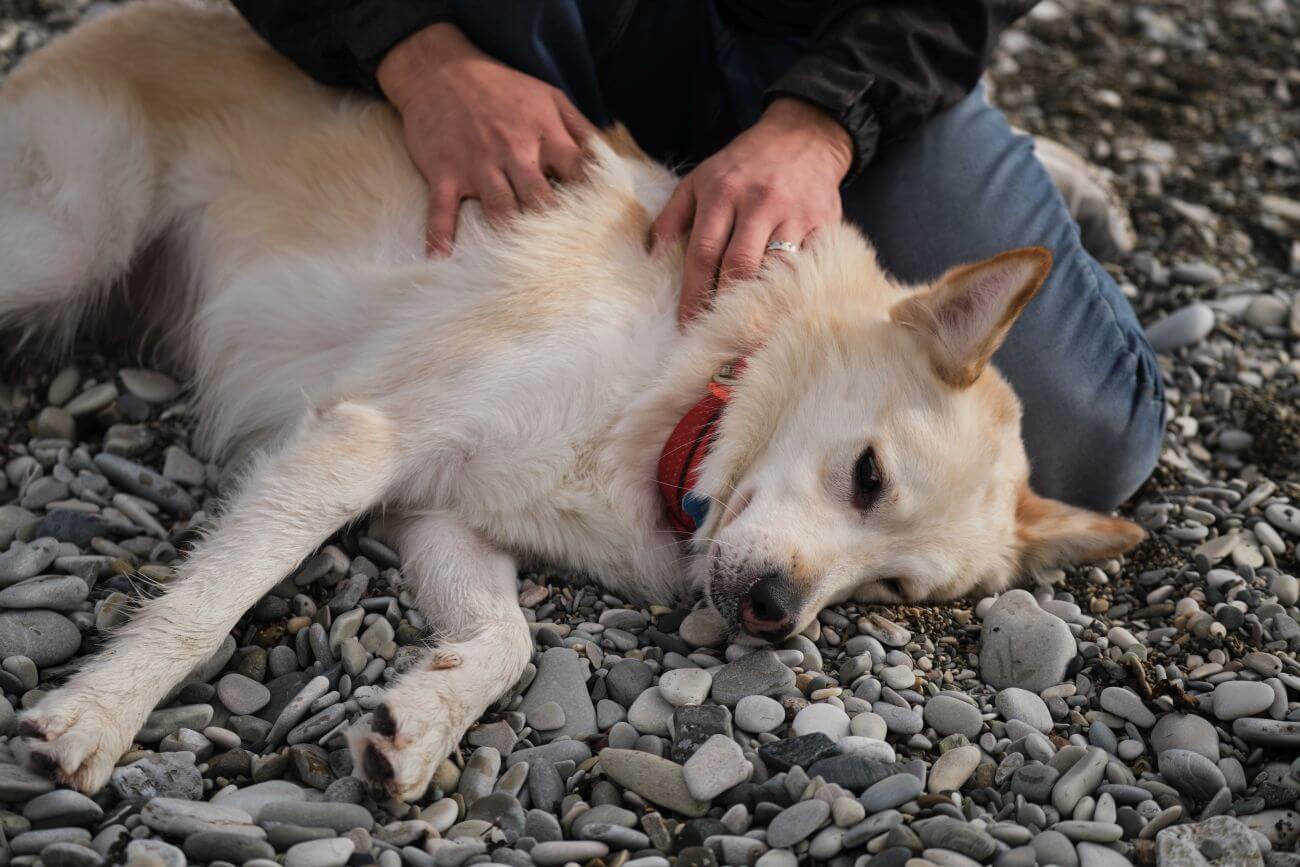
(785, 115)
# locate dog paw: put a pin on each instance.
(441, 660)
(75, 740)
(408, 737)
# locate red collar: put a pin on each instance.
(679, 463)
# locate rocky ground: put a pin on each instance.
(1143, 711)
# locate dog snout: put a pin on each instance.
(768, 608)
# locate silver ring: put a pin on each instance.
(782, 247)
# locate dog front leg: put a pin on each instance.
(338, 465)
(466, 588)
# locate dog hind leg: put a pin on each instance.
(337, 466)
(466, 588)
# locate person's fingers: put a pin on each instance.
(744, 254)
(790, 232)
(563, 157)
(709, 235)
(580, 129)
(531, 187)
(440, 229)
(674, 220)
(493, 190)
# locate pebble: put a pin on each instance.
(45, 637)
(796, 823)
(560, 679)
(1185, 732)
(1184, 327)
(685, 686)
(1234, 699)
(893, 791)
(716, 767)
(758, 713)
(1125, 703)
(825, 718)
(333, 852)
(656, 779)
(242, 695)
(759, 673)
(1022, 645)
(561, 852)
(1026, 706)
(953, 769)
(1191, 773)
(949, 715)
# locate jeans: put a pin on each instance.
(962, 187)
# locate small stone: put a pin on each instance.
(1022, 645)
(1181, 845)
(1079, 781)
(547, 716)
(796, 823)
(685, 686)
(650, 714)
(149, 385)
(759, 673)
(758, 713)
(715, 768)
(825, 718)
(560, 679)
(242, 695)
(802, 751)
(333, 852)
(60, 808)
(1180, 731)
(893, 791)
(952, 769)
(653, 778)
(1123, 702)
(949, 715)
(45, 637)
(57, 592)
(1023, 705)
(1191, 773)
(560, 852)
(1232, 699)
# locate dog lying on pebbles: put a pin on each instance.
(822, 433)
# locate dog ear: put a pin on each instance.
(1049, 532)
(965, 316)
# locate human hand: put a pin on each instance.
(477, 129)
(777, 181)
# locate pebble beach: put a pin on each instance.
(1143, 711)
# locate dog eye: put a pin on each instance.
(867, 481)
(894, 586)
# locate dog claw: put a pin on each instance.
(441, 660)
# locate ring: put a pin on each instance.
(782, 246)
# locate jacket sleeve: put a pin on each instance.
(881, 68)
(340, 42)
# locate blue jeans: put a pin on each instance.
(962, 187)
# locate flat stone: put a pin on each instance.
(145, 483)
(1184, 327)
(1232, 699)
(891, 792)
(1125, 703)
(758, 713)
(796, 823)
(177, 818)
(627, 680)
(70, 855)
(1191, 773)
(1181, 731)
(560, 852)
(655, 779)
(252, 799)
(952, 769)
(332, 852)
(17, 783)
(948, 715)
(693, 725)
(650, 714)
(825, 718)
(1079, 781)
(150, 386)
(208, 846)
(61, 807)
(1268, 732)
(1022, 645)
(716, 766)
(853, 772)
(560, 679)
(172, 719)
(899, 720)
(546, 717)
(1035, 782)
(155, 853)
(685, 686)
(1026, 706)
(944, 832)
(45, 637)
(242, 695)
(57, 592)
(759, 673)
(340, 818)
(27, 560)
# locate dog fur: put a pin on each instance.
(503, 406)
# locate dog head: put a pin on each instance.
(870, 451)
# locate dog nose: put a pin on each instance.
(765, 611)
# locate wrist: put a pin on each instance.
(409, 64)
(813, 124)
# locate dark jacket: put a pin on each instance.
(880, 67)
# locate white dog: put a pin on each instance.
(511, 403)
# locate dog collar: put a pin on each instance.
(679, 463)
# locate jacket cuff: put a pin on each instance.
(370, 29)
(840, 92)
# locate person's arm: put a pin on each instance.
(340, 42)
(882, 68)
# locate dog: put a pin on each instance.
(822, 433)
